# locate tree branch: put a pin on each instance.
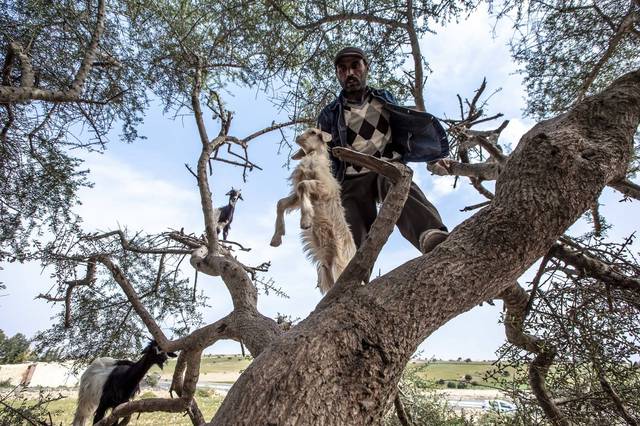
(625, 26)
(419, 79)
(24, 93)
(27, 77)
(627, 187)
(609, 390)
(208, 211)
(143, 406)
(483, 171)
(89, 279)
(128, 246)
(346, 16)
(133, 298)
(594, 268)
(274, 126)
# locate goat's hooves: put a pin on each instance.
(276, 241)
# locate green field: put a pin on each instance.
(456, 371)
(62, 411)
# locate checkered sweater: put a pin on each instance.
(368, 131)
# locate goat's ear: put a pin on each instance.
(326, 136)
(171, 354)
(298, 155)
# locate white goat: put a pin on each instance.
(325, 233)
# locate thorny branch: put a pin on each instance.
(626, 26)
(464, 141)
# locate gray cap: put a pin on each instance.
(350, 51)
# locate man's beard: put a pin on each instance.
(354, 84)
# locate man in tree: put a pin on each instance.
(370, 121)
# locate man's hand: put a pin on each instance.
(441, 167)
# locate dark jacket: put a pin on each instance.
(418, 136)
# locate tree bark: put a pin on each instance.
(341, 365)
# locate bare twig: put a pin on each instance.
(89, 278)
(476, 206)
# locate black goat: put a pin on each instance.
(226, 213)
(108, 382)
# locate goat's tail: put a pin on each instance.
(90, 389)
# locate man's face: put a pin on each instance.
(352, 73)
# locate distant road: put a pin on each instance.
(222, 388)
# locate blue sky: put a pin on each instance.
(145, 185)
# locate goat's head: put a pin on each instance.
(156, 355)
(234, 195)
(311, 140)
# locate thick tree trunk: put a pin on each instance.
(341, 365)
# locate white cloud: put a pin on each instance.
(460, 55)
(511, 135)
(122, 195)
(442, 186)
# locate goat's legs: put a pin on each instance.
(100, 412)
(325, 278)
(284, 204)
(305, 189)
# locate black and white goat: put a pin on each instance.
(108, 382)
(225, 216)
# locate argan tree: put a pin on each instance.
(342, 364)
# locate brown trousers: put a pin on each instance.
(360, 195)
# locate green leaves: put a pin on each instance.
(572, 48)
